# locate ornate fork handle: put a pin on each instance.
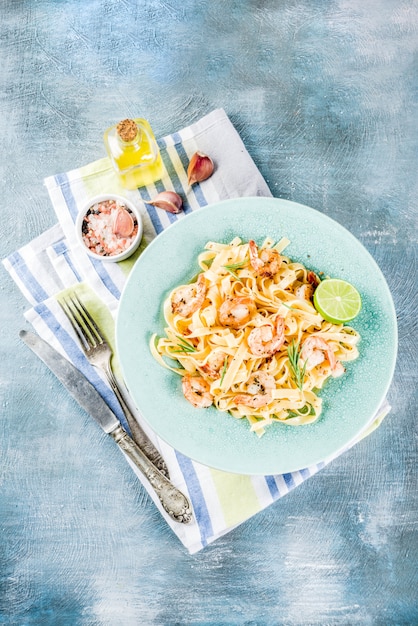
(173, 501)
(137, 433)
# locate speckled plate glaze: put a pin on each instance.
(216, 439)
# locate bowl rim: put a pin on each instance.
(122, 200)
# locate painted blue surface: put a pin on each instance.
(324, 95)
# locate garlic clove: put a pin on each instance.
(200, 168)
(123, 224)
(169, 201)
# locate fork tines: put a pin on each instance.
(82, 322)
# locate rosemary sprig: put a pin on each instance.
(298, 372)
(184, 346)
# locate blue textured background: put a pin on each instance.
(324, 95)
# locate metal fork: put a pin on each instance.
(99, 354)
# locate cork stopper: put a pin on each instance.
(127, 130)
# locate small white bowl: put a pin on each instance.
(104, 222)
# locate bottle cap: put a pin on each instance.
(127, 130)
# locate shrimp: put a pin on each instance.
(214, 364)
(188, 299)
(313, 279)
(305, 291)
(235, 312)
(197, 391)
(265, 264)
(259, 390)
(265, 340)
(315, 350)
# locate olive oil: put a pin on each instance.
(134, 153)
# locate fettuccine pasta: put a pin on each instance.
(246, 337)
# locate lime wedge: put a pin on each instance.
(337, 301)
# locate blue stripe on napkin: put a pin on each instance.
(64, 184)
(25, 275)
(152, 212)
(197, 189)
(61, 248)
(197, 497)
(272, 485)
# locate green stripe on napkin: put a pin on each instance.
(237, 496)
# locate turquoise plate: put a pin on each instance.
(214, 438)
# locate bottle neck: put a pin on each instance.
(133, 142)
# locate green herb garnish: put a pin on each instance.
(224, 370)
(235, 266)
(298, 372)
(184, 346)
(287, 306)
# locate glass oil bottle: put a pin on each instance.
(134, 153)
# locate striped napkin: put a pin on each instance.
(55, 261)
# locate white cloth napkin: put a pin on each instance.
(55, 261)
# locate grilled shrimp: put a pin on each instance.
(259, 390)
(186, 300)
(315, 350)
(265, 340)
(197, 391)
(305, 291)
(235, 312)
(214, 364)
(265, 264)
